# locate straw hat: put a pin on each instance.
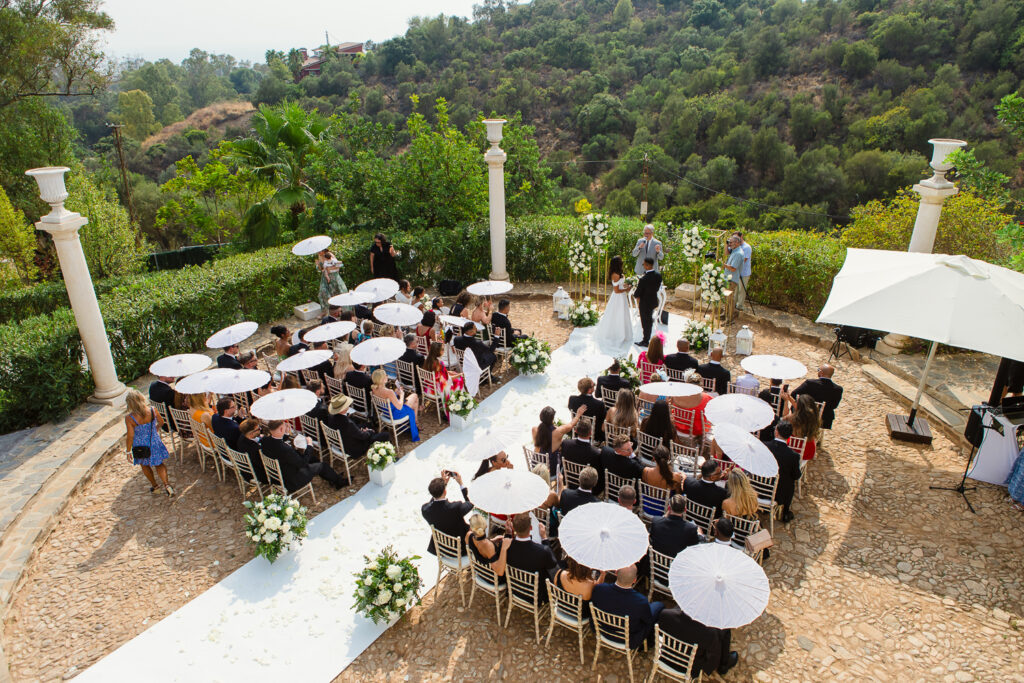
(339, 404)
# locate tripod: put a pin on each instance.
(837, 346)
(746, 295)
(961, 488)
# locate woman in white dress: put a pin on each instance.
(615, 329)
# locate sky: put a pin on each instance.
(246, 29)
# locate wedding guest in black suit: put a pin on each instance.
(358, 378)
(333, 313)
(646, 295)
(582, 451)
(229, 359)
(613, 381)
(671, 533)
(249, 443)
(620, 460)
(703, 490)
(355, 440)
(768, 433)
(681, 360)
(411, 355)
(595, 406)
(622, 599)
(319, 411)
(823, 390)
(484, 353)
(530, 556)
(444, 515)
(713, 370)
(573, 498)
(297, 469)
(789, 467)
(161, 391)
(676, 623)
(499, 319)
(223, 422)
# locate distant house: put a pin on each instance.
(313, 64)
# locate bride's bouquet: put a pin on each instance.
(530, 356)
(584, 313)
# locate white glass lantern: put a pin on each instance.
(717, 340)
(745, 341)
(562, 303)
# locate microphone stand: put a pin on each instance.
(961, 488)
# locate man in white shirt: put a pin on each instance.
(748, 382)
(733, 268)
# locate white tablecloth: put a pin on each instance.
(997, 454)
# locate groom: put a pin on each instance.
(646, 295)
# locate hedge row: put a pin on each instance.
(793, 270)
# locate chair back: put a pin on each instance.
(776, 403)
(383, 407)
(334, 386)
(707, 383)
(660, 564)
(201, 434)
(608, 397)
(309, 375)
(274, 476)
(571, 471)
(798, 444)
(391, 369)
(821, 408)
(335, 444)
(612, 630)
(612, 484)
(643, 407)
(270, 361)
(485, 577)
(765, 489)
(673, 657)
(589, 419)
(377, 328)
(646, 370)
(459, 353)
(182, 423)
(701, 515)
(683, 418)
(310, 428)
(648, 442)
(741, 528)
(611, 430)
(735, 389)
(449, 549)
(428, 384)
(499, 335)
(242, 400)
(685, 457)
(161, 410)
(533, 458)
(523, 587)
(653, 501)
(243, 465)
(566, 607)
(406, 373)
(358, 397)
(220, 447)
(675, 375)
(423, 344)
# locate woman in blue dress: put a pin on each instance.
(1015, 482)
(142, 440)
(402, 406)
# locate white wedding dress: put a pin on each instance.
(615, 330)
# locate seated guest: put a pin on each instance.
(654, 355)
(402, 406)
(671, 533)
(223, 422)
(364, 311)
(573, 498)
(627, 497)
(723, 529)
(404, 293)
(624, 413)
(343, 361)
(355, 440)
(674, 622)
(326, 368)
(530, 556)
(161, 391)
(489, 551)
(249, 443)
(547, 438)
(681, 360)
(693, 405)
(704, 490)
(364, 331)
(484, 353)
(229, 359)
(613, 381)
(620, 598)
(578, 580)
(713, 370)
(498, 461)
(461, 302)
(297, 469)
(661, 474)
(297, 346)
(282, 341)
(595, 406)
(482, 311)
(823, 390)
(358, 378)
(541, 470)
(768, 433)
(425, 327)
(445, 382)
(802, 414)
(319, 411)
(621, 461)
(290, 381)
(418, 297)
(659, 423)
(499, 320)
(348, 316)
(441, 513)
(200, 411)
(411, 355)
(247, 359)
(748, 384)
(437, 306)
(789, 467)
(582, 451)
(333, 315)
(742, 500)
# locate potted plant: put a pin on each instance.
(387, 586)
(460, 409)
(584, 313)
(273, 524)
(380, 461)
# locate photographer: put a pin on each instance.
(442, 514)
(733, 268)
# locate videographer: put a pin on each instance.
(441, 513)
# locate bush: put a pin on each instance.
(793, 270)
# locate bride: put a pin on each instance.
(615, 329)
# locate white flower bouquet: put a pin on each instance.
(584, 313)
(530, 356)
(387, 586)
(714, 283)
(629, 371)
(273, 524)
(380, 455)
(579, 258)
(595, 231)
(461, 403)
(692, 241)
(698, 333)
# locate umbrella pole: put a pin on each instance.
(921, 384)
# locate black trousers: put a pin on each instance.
(646, 321)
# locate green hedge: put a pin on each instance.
(793, 270)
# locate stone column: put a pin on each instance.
(63, 226)
(495, 158)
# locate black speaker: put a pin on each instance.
(449, 287)
(974, 431)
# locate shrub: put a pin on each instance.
(793, 270)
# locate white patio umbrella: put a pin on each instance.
(506, 492)
(744, 411)
(745, 449)
(717, 585)
(953, 300)
(495, 438)
(180, 365)
(311, 245)
(329, 331)
(231, 335)
(603, 536)
(381, 288)
(401, 315)
(583, 365)
(350, 299)
(200, 382)
(283, 405)
(377, 351)
(774, 367)
(489, 288)
(671, 389)
(304, 360)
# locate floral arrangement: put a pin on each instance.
(629, 371)
(380, 455)
(387, 586)
(584, 313)
(698, 333)
(691, 241)
(530, 356)
(579, 258)
(595, 230)
(273, 524)
(461, 403)
(632, 279)
(714, 283)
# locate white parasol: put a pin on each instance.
(381, 288)
(239, 381)
(350, 299)
(471, 372)
(670, 389)
(311, 245)
(745, 449)
(742, 410)
(603, 536)
(200, 382)
(401, 315)
(232, 335)
(489, 288)
(457, 322)
(717, 585)
(180, 365)
(506, 491)
(774, 367)
(283, 405)
(584, 365)
(501, 437)
(329, 331)
(377, 351)
(304, 360)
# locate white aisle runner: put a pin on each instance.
(294, 619)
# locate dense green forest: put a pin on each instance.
(755, 114)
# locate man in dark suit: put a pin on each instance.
(573, 498)
(411, 355)
(678, 624)
(319, 411)
(364, 311)
(355, 440)
(823, 390)
(619, 459)
(248, 443)
(358, 377)
(297, 469)
(582, 451)
(484, 353)
(595, 407)
(613, 381)
(703, 490)
(646, 295)
(441, 513)
(713, 370)
(620, 598)
(161, 391)
(224, 424)
(789, 467)
(681, 360)
(499, 320)
(671, 533)
(332, 314)
(529, 555)
(229, 359)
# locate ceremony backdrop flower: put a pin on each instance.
(380, 455)
(584, 313)
(692, 241)
(595, 231)
(579, 258)
(273, 524)
(530, 356)
(714, 283)
(387, 586)
(461, 403)
(698, 333)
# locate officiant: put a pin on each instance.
(648, 247)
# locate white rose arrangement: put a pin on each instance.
(387, 586)
(691, 241)
(380, 455)
(530, 356)
(579, 258)
(461, 403)
(273, 524)
(698, 333)
(595, 231)
(584, 313)
(714, 283)
(629, 371)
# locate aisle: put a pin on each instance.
(294, 618)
